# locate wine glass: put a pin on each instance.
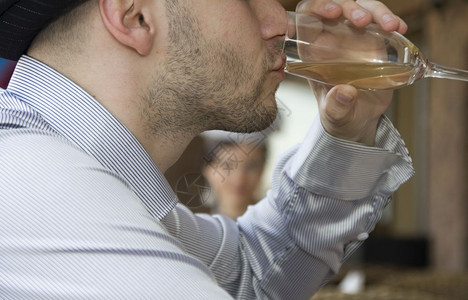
(336, 52)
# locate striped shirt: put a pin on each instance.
(86, 214)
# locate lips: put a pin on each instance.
(280, 64)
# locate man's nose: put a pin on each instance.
(272, 18)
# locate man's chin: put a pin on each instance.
(263, 119)
(254, 121)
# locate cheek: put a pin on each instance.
(253, 179)
(215, 180)
(236, 26)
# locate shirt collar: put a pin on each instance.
(79, 117)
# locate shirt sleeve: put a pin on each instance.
(327, 196)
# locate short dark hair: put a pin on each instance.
(21, 21)
(60, 28)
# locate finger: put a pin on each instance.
(383, 16)
(354, 12)
(403, 27)
(339, 103)
(325, 8)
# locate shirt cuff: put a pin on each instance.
(346, 170)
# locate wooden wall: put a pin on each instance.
(447, 37)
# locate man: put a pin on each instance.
(105, 99)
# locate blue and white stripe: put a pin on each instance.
(73, 113)
(86, 214)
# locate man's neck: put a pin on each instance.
(159, 124)
(165, 151)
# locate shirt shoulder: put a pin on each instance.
(71, 228)
(44, 170)
(38, 151)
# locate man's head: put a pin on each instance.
(216, 69)
(168, 68)
(234, 171)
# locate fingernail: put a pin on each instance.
(358, 14)
(301, 6)
(343, 98)
(331, 6)
(387, 18)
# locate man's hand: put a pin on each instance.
(345, 112)
(360, 12)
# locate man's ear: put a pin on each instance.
(129, 23)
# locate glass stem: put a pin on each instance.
(438, 71)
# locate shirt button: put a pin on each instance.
(362, 236)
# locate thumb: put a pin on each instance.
(338, 106)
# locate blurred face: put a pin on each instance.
(223, 64)
(235, 174)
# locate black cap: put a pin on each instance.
(22, 20)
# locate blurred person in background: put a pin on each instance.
(233, 169)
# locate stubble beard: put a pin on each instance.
(205, 85)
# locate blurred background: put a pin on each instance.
(419, 250)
